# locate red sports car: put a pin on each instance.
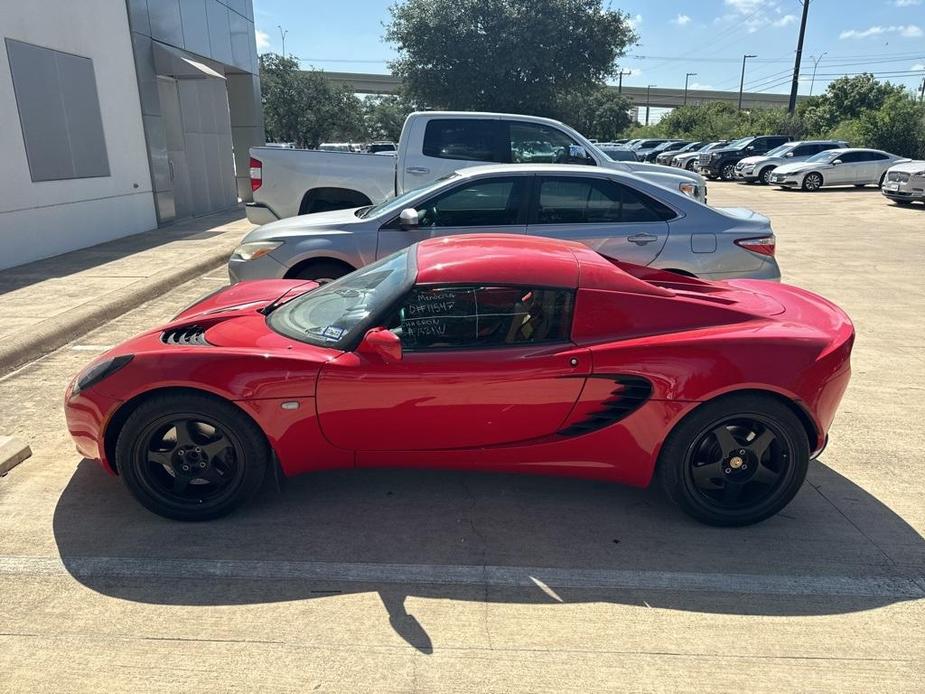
(476, 352)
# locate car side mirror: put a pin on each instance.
(789, 155)
(381, 345)
(837, 162)
(409, 219)
(579, 154)
(749, 149)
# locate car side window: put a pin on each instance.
(468, 139)
(853, 157)
(594, 201)
(805, 150)
(535, 143)
(489, 202)
(467, 317)
(877, 156)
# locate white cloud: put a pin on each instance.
(755, 15)
(906, 3)
(698, 85)
(784, 21)
(909, 31)
(634, 21)
(263, 40)
(918, 66)
(681, 20)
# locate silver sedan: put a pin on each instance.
(836, 167)
(617, 214)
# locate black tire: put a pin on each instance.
(151, 450)
(812, 182)
(690, 165)
(902, 203)
(765, 175)
(882, 179)
(727, 172)
(322, 271)
(777, 470)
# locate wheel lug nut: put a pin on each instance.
(186, 468)
(744, 466)
(180, 453)
(727, 470)
(202, 464)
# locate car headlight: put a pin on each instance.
(688, 188)
(97, 372)
(255, 249)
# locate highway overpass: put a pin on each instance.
(363, 83)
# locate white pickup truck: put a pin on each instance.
(289, 182)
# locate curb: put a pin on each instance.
(43, 339)
(12, 453)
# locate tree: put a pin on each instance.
(898, 126)
(601, 113)
(505, 55)
(845, 99)
(385, 115)
(303, 107)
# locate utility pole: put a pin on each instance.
(742, 79)
(922, 90)
(282, 34)
(648, 88)
(686, 78)
(816, 62)
(796, 64)
(620, 75)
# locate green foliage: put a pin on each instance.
(520, 56)
(302, 106)
(385, 115)
(897, 126)
(601, 114)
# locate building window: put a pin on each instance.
(59, 112)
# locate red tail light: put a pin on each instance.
(256, 173)
(762, 245)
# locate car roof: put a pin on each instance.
(511, 169)
(855, 149)
(511, 259)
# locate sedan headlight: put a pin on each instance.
(255, 249)
(688, 188)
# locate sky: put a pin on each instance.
(708, 37)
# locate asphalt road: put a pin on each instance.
(412, 581)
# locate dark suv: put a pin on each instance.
(720, 163)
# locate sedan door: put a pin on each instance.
(612, 218)
(480, 366)
(491, 205)
(879, 163)
(846, 171)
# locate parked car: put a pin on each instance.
(688, 160)
(487, 352)
(645, 146)
(620, 214)
(759, 168)
(432, 144)
(673, 146)
(905, 183)
(381, 146)
(616, 153)
(721, 163)
(666, 155)
(836, 167)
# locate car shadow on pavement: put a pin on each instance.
(566, 534)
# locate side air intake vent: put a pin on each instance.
(628, 395)
(188, 335)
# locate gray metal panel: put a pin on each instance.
(238, 6)
(166, 210)
(147, 79)
(195, 27)
(157, 152)
(41, 112)
(241, 32)
(138, 16)
(82, 116)
(219, 31)
(166, 24)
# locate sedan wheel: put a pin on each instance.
(191, 457)
(765, 175)
(735, 461)
(812, 182)
(728, 172)
(689, 166)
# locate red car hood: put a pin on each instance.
(246, 296)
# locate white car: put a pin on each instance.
(760, 168)
(905, 183)
(836, 167)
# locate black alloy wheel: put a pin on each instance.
(191, 457)
(736, 461)
(728, 172)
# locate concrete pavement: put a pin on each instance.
(412, 581)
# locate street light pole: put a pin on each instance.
(686, 78)
(648, 88)
(742, 80)
(816, 62)
(282, 34)
(620, 75)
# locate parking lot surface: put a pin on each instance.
(415, 581)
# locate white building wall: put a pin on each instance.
(42, 219)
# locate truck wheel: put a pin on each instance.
(727, 173)
(322, 271)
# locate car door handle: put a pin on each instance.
(641, 239)
(417, 170)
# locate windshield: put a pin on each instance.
(397, 204)
(740, 143)
(331, 315)
(824, 156)
(780, 151)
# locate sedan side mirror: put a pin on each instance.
(749, 148)
(789, 155)
(381, 345)
(837, 162)
(409, 219)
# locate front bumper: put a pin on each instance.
(86, 415)
(711, 169)
(746, 173)
(266, 267)
(786, 180)
(910, 191)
